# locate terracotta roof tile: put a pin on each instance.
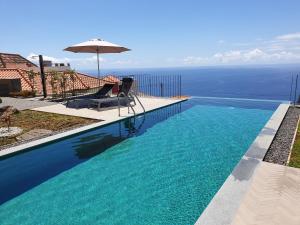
(8, 60)
(81, 81)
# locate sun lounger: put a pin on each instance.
(102, 93)
(124, 97)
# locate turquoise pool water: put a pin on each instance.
(166, 175)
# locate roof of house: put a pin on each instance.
(8, 60)
(111, 79)
(15, 66)
(16, 74)
(80, 81)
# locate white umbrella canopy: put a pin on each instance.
(97, 46)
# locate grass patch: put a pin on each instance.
(29, 120)
(295, 155)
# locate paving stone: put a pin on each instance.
(12, 131)
(22, 104)
(35, 133)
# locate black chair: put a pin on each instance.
(100, 94)
(123, 98)
(126, 85)
(103, 92)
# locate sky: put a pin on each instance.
(161, 33)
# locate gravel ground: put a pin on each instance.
(280, 148)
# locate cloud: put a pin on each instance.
(192, 60)
(34, 58)
(124, 62)
(86, 62)
(252, 56)
(227, 56)
(281, 49)
(77, 62)
(278, 49)
(289, 37)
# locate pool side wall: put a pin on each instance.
(224, 205)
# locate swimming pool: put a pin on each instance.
(163, 168)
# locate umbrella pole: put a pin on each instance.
(98, 68)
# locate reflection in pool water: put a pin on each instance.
(33, 167)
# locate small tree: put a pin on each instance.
(63, 83)
(31, 75)
(73, 79)
(54, 78)
(7, 112)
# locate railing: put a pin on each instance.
(156, 85)
(144, 86)
(294, 93)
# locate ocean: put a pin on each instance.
(261, 82)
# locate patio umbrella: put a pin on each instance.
(97, 46)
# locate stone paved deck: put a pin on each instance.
(22, 104)
(109, 115)
(273, 197)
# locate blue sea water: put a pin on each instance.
(163, 173)
(259, 82)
